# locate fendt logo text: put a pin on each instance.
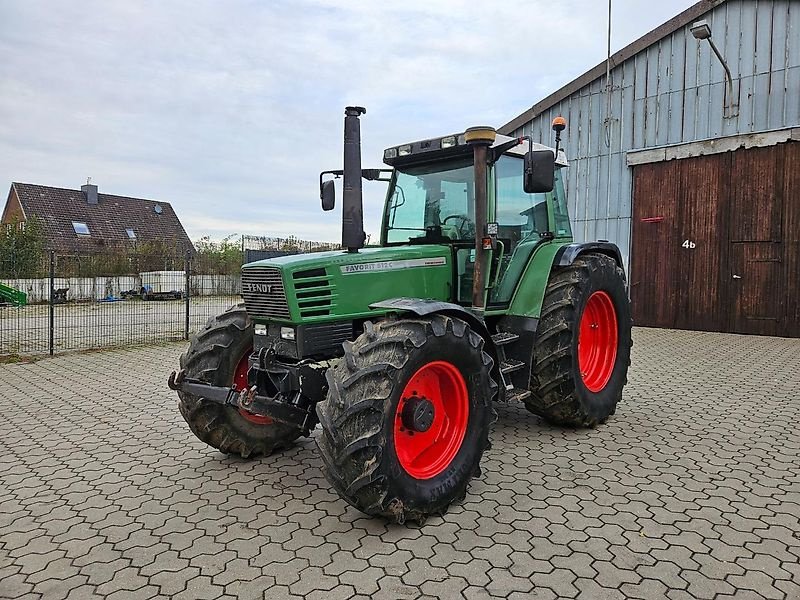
(262, 288)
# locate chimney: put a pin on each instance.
(90, 191)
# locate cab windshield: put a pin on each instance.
(432, 201)
(435, 202)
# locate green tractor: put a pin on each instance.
(475, 295)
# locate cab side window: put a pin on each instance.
(560, 213)
(519, 215)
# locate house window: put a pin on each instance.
(80, 228)
(131, 234)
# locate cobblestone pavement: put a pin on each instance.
(691, 491)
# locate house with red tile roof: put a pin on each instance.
(85, 221)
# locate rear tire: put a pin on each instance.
(215, 356)
(582, 351)
(371, 454)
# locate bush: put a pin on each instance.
(217, 258)
(21, 250)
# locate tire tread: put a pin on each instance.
(214, 423)
(352, 415)
(553, 392)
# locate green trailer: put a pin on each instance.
(10, 295)
(477, 294)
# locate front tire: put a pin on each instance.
(218, 354)
(407, 416)
(583, 346)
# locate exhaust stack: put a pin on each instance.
(353, 235)
(480, 138)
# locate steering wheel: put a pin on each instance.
(463, 232)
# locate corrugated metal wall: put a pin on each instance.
(672, 92)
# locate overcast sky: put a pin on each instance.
(229, 110)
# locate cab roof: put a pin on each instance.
(434, 149)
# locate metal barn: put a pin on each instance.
(687, 155)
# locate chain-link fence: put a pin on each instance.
(74, 302)
(51, 302)
(287, 245)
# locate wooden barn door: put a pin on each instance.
(716, 242)
(756, 241)
(676, 273)
(791, 238)
(652, 277)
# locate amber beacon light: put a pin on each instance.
(559, 125)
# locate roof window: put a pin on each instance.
(131, 233)
(80, 228)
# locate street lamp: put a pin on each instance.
(702, 31)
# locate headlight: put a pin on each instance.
(287, 333)
(404, 150)
(260, 329)
(448, 142)
(390, 153)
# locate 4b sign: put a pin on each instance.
(689, 244)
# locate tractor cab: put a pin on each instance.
(431, 200)
(492, 200)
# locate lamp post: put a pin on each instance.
(702, 31)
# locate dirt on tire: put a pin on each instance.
(558, 393)
(213, 355)
(358, 416)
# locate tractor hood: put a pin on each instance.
(337, 285)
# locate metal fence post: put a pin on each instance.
(187, 294)
(52, 299)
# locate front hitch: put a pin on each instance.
(248, 399)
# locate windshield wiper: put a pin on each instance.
(398, 193)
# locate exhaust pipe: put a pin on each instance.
(480, 138)
(353, 235)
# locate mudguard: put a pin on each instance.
(567, 254)
(422, 307)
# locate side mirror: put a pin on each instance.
(540, 171)
(327, 194)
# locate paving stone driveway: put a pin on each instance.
(691, 491)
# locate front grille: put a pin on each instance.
(263, 293)
(315, 292)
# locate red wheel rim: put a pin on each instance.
(240, 383)
(597, 341)
(425, 454)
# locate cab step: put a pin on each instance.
(517, 395)
(510, 365)
(503, 338)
